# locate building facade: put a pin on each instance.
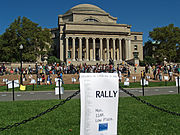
(88, 34)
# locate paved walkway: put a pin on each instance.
(47, 95)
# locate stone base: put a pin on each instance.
(91, 62)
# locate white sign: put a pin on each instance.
(16, 83)
(57, 83)
(166, 78)
(145, 82)
(57, 90)
(10, 85)
(126, 83)
(177, 81)
(33, 81)
(39, 79)
(148, 77)
(5, 80)
(134, 77)
(56, 79)
(99, 103)
(73, 79)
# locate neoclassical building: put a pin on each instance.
(88, 34)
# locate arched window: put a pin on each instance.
(91, 20)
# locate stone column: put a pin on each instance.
(94, 49)
(120, 50)
(87, 49)
(130, 52)
(80, 48)
(101, 49)
(114, 49)
(67, 47)
(73, 49)
(107, 43)
(61, 47)
(117, 51)
(127, 49)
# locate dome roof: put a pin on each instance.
(84, 8)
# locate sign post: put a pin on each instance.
(59, 89)
(177, 82)
(13, 89)
(143, 85)
(99, 103)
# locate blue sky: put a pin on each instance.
(143, 15)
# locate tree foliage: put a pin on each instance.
(53, 59)
(36, 41)
(166, 42)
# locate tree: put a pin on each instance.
(36, 41)
(166, 41)
(53, 59)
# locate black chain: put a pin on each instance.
(73, 95)
(149, 104)
(40, 114)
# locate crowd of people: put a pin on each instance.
(123, 70)
(159, 70)
(71, 69)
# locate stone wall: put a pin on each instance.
(15, 65)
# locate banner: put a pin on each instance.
(33, 81)
(10, 85)
(99, 103)
(177, 81)
(145, 82)
(57, 90)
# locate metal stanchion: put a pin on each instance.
(13, 89)
(33, 86)
(143, 86)
(178, 83)
(7, 86)
(165, 83)
(59, 89)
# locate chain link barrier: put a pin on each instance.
(149, 104)
(40, 114)
(75, 94)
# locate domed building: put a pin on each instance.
(88, 34)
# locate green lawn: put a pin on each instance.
(76, 86)
(151, 84)
(134, 118)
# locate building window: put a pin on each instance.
(135, 37)
(91, 20)
(136, 55)
(135, 47)
(69, 54)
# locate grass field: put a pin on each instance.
(134, 118)
(76, 86)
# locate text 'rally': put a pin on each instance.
(106, 94)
